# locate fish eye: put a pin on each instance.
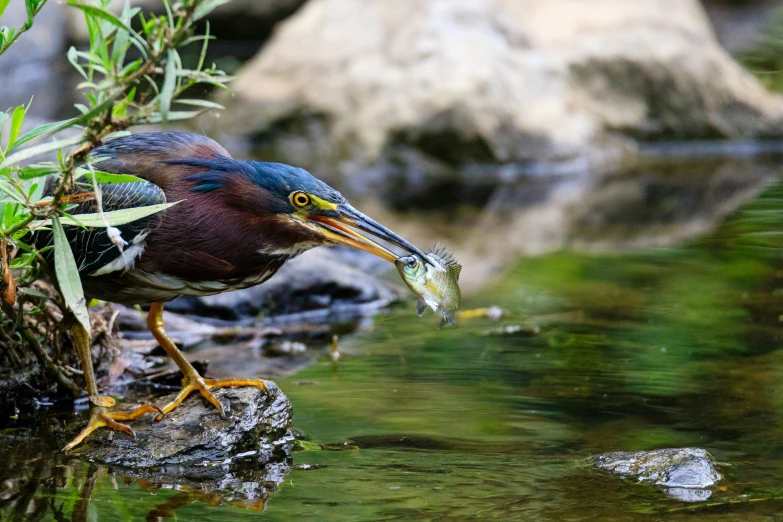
(412, 262)
(300, 199)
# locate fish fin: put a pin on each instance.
(420, 307)
(448, 317)
(446, 258)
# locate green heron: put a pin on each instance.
(236, 224)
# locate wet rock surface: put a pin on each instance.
(685, 473)
(193, 442)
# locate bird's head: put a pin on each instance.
(302, 208)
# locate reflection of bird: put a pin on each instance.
(236, 224)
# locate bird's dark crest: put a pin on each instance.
(446, 258)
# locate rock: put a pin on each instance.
(194, 442)
(316, 284)
(684, 472)
(419, 97)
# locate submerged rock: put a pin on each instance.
(193, 441)
(684, 472)
(417, 97)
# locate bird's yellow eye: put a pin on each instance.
(300, 199)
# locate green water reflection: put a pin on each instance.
(668, 348)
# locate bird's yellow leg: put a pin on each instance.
(99, 417)
(191, 381)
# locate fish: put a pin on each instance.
(434, 280)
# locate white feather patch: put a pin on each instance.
(125, 261)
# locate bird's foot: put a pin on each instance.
(100, 418)
(196, 382)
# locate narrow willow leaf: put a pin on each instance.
(203, 55)
(43, 130)
(43, 148)
(30, 5)
(206, 7)
(118, 134)
(120, 41)
(11, 192)
(3, 5)
(33, 292)
(16, 125)
(106, 177)
(38, 170)
(73, 58)
(97, 12)
(169, 84)
(201, 103)
(174, 116)
(114, 218)
(68, 275)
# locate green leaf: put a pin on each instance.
(43, 148)
(33, 292)
(206, 7)
(68, 275)
(73, 57)
(10, 191)
(201, 103)
(3, 5)
(36, 171)
(97, 12)
(16, 125)
(106, 177)
(114, 218)
(173, 116)
(42, 130)
(203, 55)
(169, 84)
(30, 5)
(120, 41)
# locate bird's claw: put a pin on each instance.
(204, 387)
(99, 418)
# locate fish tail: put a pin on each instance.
(448, 317)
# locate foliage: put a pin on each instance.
(129, 77)
(8, 35)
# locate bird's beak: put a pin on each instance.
(335, 226)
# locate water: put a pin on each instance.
(665, 348)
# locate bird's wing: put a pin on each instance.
(93, 248)
(150, 155)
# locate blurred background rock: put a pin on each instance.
(575, 122)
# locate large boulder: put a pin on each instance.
(407, 96)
